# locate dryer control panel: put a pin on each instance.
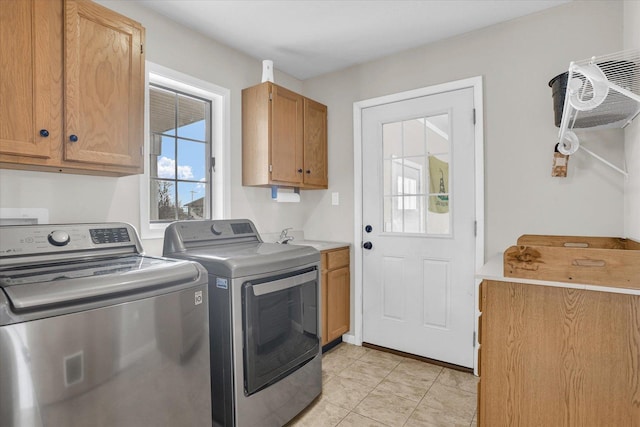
(182, 235)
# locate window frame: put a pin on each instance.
(220, 143)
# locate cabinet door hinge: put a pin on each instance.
(142, 151)
(141, 48)
(270, 168)
(474, 116)
(270, 96)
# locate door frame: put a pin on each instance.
(476, 84)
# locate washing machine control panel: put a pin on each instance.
(53, 239)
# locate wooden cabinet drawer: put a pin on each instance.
(337, 259)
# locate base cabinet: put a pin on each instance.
(72, 81)
(555, 356)
(336, 290)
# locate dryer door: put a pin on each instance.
(280, 327)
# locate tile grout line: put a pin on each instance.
(396, 363)
(423, 397)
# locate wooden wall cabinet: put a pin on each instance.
(284, 138)
(72, 80)
(336, 291)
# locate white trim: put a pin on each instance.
(477, 85)
(221, 99)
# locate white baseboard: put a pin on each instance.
(350, 339)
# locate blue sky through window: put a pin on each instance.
(190, 157)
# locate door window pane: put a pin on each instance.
(414, 137)
(416, 194)
(392, 140)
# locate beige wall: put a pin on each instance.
(516, 60)
(632, 132)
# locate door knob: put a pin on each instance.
(368, 229)
(44, 133)
(73, 138)
(367, 245)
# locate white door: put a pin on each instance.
(418, 215)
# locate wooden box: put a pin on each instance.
(606, 261)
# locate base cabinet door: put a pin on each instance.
(336, 294)
(554, 356)
(338, 287)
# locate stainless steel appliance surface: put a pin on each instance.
(95, 333)
(264, 303)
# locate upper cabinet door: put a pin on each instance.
(104, 86)
(30, 64)
(286, 136)
(315, 144)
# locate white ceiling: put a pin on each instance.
(314, 37)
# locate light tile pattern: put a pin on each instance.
(362, 387)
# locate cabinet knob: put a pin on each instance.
(308, 171)
(73, 138)
(299, 170)
(44, 133)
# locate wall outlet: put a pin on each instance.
(335, 199)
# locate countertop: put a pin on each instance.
(320, 245)
(298, 239)
(494, 270)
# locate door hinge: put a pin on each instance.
(475, 228)
(474, 116)
(474, 338)
(270, 96)
(141, 48)
(142, 151)
(213, 164)
(270, 168)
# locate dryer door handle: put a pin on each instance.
(286, 283)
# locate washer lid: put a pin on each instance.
(248, 259)
(67, 283)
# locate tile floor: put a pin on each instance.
(362, 387)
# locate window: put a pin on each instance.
(180, 160)
(186, 169)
